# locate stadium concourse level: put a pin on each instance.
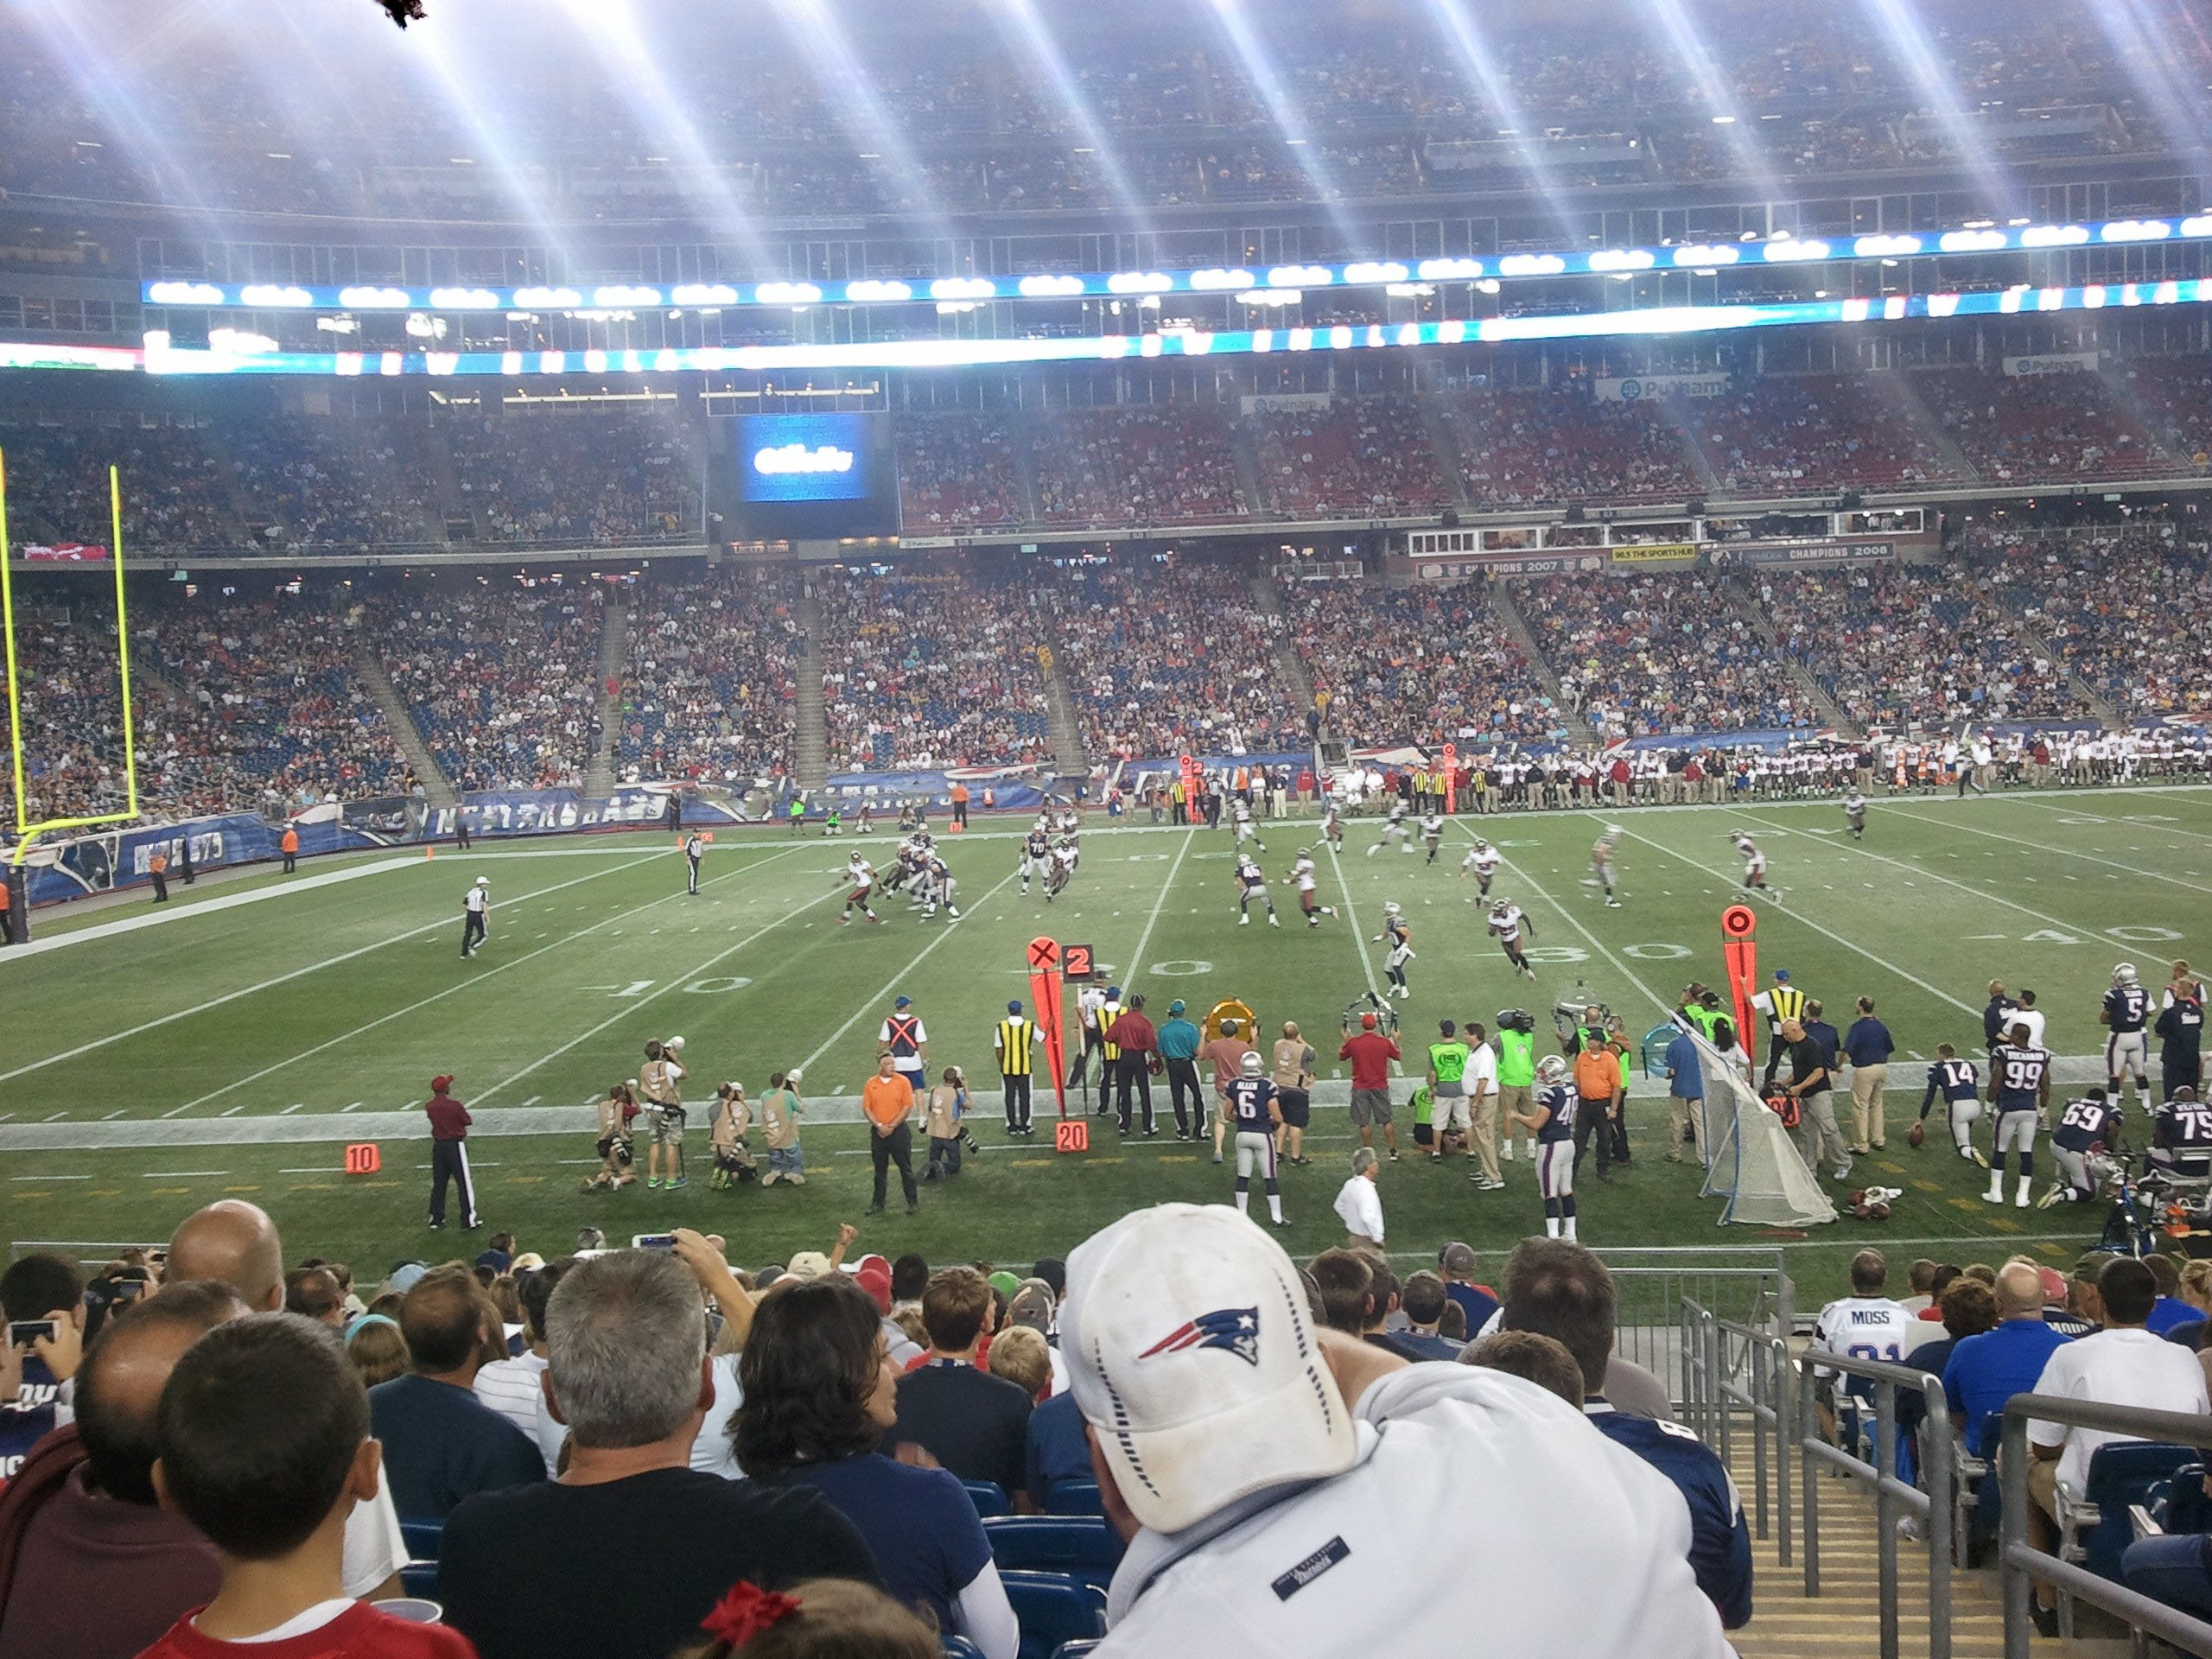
(929, 672)
(1186, 119)
(710, 691)
(502, 679)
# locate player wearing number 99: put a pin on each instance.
(1255, 1116)
(1552, 1122)
(2020, 1088)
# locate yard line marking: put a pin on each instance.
(1136, 961)
(281, 979)
(1358, 933)
(117, 1113)
(439, 996)
(57, 1117)
(288, 1110)
(1886, 965)
(762, 931)
(231, 1111)
(178, 1174)
(49, 1178)
(921, 955)
(2062, 852)
(533, 1100)
(1998, 899)
(355, 1107)
(319, 1169)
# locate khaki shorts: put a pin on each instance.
(1369, 1106)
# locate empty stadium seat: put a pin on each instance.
(1053, 1608)
(1083, 1547)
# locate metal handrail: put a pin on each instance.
(1768, 1400)
(1890, 1495)
(2021, 1561)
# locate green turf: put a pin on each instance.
(352, 994)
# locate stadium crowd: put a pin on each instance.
(709, 692)
(1793, 435)
(1523, 448)
(1365, 457)
(1164, 464)
(929, 670)
(2024, 429)
(564, 477)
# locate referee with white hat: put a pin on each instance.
(1278, 1484)
(476, 904)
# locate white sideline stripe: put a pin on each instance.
(1351, 918)
(1136, 961)
(228, 902)
(282, 979)
(2064, 852)
(759, 932)
(435, 996)
(1799, 916)
(1922, 869)
(897, 979)
(1575, 922)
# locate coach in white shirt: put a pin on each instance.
(1279, 1485)
(1359, 1205)
(2122, 1365)
(1481, 1079)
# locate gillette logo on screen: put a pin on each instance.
(804, 457)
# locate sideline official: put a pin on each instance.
(449, 1122)
(476, 905)
(1015, 1039)
(1133, 1040)
(1179, 1052)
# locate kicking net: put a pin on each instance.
(1752, 1161)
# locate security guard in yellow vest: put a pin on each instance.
(1015, 1039)
(1109, 1051)
(1781, 1003)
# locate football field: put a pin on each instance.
(235, 1041)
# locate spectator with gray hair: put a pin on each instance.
(627, 1370)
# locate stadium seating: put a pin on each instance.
(1808, 433)
(502, 680)
(1160, 659)
(709, 690)
(1644, 655)
(2027, 429)
(955, 469)
(1417, 665)
(929, 670)
(174, 494)
(1358, 458)
(1166, 464)
(1527, 446)
(328, 480)
(598, 480)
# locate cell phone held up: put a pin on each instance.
(22, 1333)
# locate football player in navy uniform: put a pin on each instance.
(2090, 1124)
(1036, 858)
(1551, 1121)
(1252, 883)
(2127, 1013)
(2020, 1088)
(2181, 1046)
(1401, 935)
(2182, 1135)
(1959, 1085)
(1255, 1116)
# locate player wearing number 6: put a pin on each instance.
(2020, 1088)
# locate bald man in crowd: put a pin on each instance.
(236, 1243)
(103, 1570)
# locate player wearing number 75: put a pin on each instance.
(1865, 1324)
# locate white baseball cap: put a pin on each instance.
(1192, 1357)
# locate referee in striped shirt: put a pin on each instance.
(1015, 1039)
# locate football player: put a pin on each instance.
(1960, 1086)
(2182, 1134)
(1252, 883)
(2020, 1088)
(1036, 858)
(1332, 823)
(1601, 863)
(1394, 828)
(1482, 859)
(1303, 874)
(859, 879)
(1431, 833)
(1400, 933)
(1241, 824)
(2088, 1125)
(1754, 859)
(1551, 1121)
(1507, 924)
(2126, 1014)
(1854, 813)
(1255, 1115)
(937, 887)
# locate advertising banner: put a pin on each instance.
(1630, 389)
(1460, 566)
(1656, 553)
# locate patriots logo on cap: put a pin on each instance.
(1234, 1330)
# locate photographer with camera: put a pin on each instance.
(660, 1082)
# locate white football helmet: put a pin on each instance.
(1551, 1070)
(1252, 1064)
(2124, 974)
(1391, 908)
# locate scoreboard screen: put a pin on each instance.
(815, 475)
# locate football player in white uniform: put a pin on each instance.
(1241, 825)
(1482, 859)
(1507, 924)
(1400, 933)
(1302, 873)
(1754, 859)
(1064, 857)
(1601, 863)
(1252, 883)
(1854, 813)
(1332, 823)
(1431, 833)
(858, 879)
(1394, 828)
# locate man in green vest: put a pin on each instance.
(1517, 1074)
(1448, 1071)
(1699, 1009)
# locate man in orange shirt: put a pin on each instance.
(960, 806)
(888, 1100)
(157, 867)
(1597, 1081)
(7, 910)
(290, 846)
